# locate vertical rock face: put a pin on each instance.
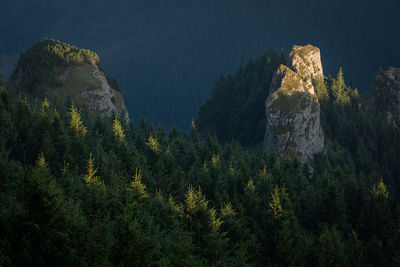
(384, 95)
(306, 62)
(103, 97)
(292, 110)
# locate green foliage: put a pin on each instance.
(191, 200)
(331, 248)
(118, 131)
(339, 90)
(76, 123)
(69, 53)
(379, 191)
(38, 66)
(153, 144)
(138, 187)
(275, 204)
(90, 177)
(320, 89)
(236, 109)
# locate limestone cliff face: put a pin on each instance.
(292, 110)
(384, 95)
(102, 97)
(87, 85)
(306, 62)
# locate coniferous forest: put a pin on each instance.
(84, 190)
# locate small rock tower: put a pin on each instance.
(292, 109)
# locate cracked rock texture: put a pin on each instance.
(292, 110)
(102, 98)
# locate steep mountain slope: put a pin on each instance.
(59, 71)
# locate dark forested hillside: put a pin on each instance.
(82, 185)
(236, 108)
(81, 191)
(166, 54)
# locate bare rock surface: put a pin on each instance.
(292, 110)
(103, 97)
(306, 62)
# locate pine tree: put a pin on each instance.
(331, 250)
(50, 227)
(285, 229)
(339, 89)
(377, 214)
(354, 250)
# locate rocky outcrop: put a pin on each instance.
(384, 95)
(102, 98)
(65, 72)
(292, 109)
(306, 62)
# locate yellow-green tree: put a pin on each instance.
(195, 200)
(205, 225)
(119, 134)
(275, 204)
(41, 162)
(138, 187)
(90, 177)
(215, 160)
(45, 109)
(76, 123)
(227, 210)
(250, 186)
(379, 192)
(153, 144)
